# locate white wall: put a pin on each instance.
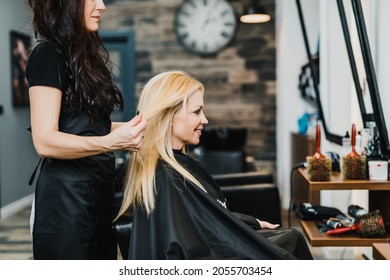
(382, 53)
(17, 155)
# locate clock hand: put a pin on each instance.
(209, 14)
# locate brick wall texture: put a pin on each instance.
(239, 81)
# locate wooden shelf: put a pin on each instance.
(337, 182)
(318, 238)
(379, 198)
(301, 146)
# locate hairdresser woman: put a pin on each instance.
(71, 98)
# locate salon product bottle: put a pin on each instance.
(356, 210)
(346, 142)
(366, 138)
(375, 149)
(359, 148)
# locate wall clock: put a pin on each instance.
(205, 27)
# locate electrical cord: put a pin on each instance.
(296, 167)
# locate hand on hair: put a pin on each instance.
(129, 135)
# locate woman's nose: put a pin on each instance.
(204, 120)
(100, 5)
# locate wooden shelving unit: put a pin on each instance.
(379, 192)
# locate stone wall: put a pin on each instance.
(239, 81)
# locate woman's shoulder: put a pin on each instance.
(45, 47)
(45, 65)
(43, 53)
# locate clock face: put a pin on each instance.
(205, 27)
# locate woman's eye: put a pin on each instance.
(197, 112)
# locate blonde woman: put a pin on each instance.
(179, 210)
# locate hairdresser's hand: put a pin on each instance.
(128, 135)
(265, 224)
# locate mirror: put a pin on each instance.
(332, 137)
(369, 105)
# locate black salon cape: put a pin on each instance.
(188, 223)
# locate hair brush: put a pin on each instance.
(318, 154)
(370, 224)
(354, 165)
(318, 166)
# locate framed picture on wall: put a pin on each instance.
(20, 43)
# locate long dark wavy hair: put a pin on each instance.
(88, 69)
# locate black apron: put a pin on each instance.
(74, 199)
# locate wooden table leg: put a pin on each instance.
(381, 251)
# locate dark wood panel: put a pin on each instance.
(301, 147)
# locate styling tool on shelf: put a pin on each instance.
(353, 164)
(307, 211)
(319, 166)
(356, 210)
(368, 225)
(333, 223)
(345, 221)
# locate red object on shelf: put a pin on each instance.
(318, 154)
(353, 153)
(370, 224)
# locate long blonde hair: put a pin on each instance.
(160, 99)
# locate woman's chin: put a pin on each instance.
(195, 142)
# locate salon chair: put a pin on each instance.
(252, 193)
(122, 228)
(222, 153)
(243, 178)
(261, 201)
(222, 150)
(222, 162)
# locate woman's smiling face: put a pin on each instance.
(188, 122)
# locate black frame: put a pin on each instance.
(366, 118)
(371, 78)
(20, 43)
(328, 135)
(377, 115)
